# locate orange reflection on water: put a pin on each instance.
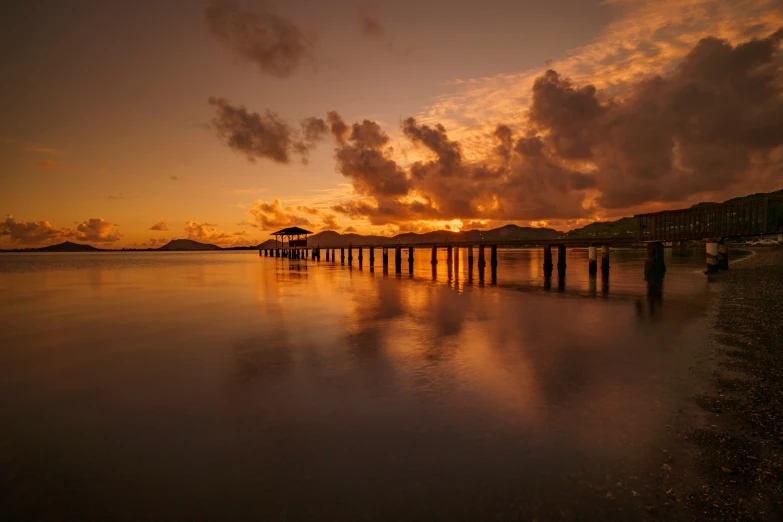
(262, 377)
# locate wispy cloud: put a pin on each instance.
(30, 147)
(51, 165)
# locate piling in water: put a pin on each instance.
(723, 255)
(654, 265)
(561, 261)
(592, 255)
(548, 261)
(481, 263)
(712, 257)
(605, 260)
(493, 262)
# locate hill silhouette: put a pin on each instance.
(187, 244)
(66, 246)
(510, 232)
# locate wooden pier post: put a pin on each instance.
(327, 254)
(342, 255)
(410, 260)
(456, 261)
(712, 257)
(350, 255)
(361, 256)
(561, 261)
(385, 258)
(372, 257)
(592, 255)
(548, 261)
(470, 262)
(493, 262)
(723, 255)
(481, 263)
(277, 252)
(449, 255)
(334, 255)
(434, 260)
(654, 265)
(605, 260)
(398, 260)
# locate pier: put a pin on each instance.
(711, 224)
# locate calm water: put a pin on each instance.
(224, 385)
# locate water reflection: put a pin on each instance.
(302, 390)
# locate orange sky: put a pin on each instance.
(108, 136)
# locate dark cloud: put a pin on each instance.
(338, 127)
(276, 45)
(567, 112)
(265, 136)
(369, 25)
(517, 181)
(364, 158)
(713, 123)
(435, 139)
(174, 178)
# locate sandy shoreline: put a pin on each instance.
(739, 452)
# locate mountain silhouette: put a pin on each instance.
(187, 244)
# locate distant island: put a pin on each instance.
(623, 227)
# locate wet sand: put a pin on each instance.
(740, 450)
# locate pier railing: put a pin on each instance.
(751, 217)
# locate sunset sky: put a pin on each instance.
(130, 123)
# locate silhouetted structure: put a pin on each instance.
(296, 247)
